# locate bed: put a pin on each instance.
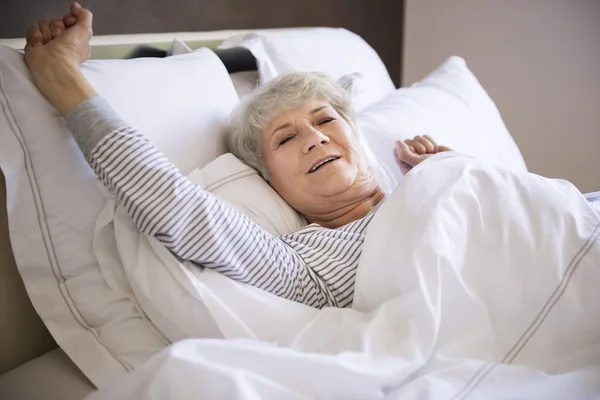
(28, 338)
(136, 328)
(24, 336)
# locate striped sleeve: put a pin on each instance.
(193, 224)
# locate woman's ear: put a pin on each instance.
(351, 83)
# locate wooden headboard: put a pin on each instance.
(379, 22)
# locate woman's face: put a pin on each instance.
(313, 157)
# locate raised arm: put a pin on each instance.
(189, 221)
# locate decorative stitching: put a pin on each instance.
(230, 178)
(484, 371)
(46, 236)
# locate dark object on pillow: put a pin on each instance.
(146, 51)
(237, 59)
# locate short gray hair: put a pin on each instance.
(286, 92)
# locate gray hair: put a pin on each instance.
(286, 92)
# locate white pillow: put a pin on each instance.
(54, 198)
(451, 106)
(335, 51)
(242, 188)
(244, 82)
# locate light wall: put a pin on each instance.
(540, 62)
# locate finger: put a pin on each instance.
(397, 157)
(406, 155)
(46, 31)
(69, 20)
(429, 147)
(58, 26)
(397, 148)
(444, 148)
(404, 167)
(83, 15)
(28, 49)
(419, 147)
(433, 142)
(34, 35)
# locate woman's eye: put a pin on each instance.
(324, 121)
(285, 140)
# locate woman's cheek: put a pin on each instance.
(287, 163)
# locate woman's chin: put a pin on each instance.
(332, 184)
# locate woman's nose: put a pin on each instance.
(314, 140)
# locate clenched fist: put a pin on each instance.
(64, 40)
(413, 151)
(53, 53)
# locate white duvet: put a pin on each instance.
(473, 283)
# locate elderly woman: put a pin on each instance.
(298, 131)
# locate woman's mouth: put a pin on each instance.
(321, 163)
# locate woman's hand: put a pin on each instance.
(53, 53)
(411, 152)
(66, 39)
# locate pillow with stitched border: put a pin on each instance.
(54, 199)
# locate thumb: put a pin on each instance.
(406, 154)
(83, 15)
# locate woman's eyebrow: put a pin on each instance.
(316, 110)
(284, 126)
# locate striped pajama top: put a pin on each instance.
(314, 266)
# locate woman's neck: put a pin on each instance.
(349, 212)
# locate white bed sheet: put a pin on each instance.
(441, 308)
(48, 377)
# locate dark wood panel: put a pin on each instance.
(379, 22)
